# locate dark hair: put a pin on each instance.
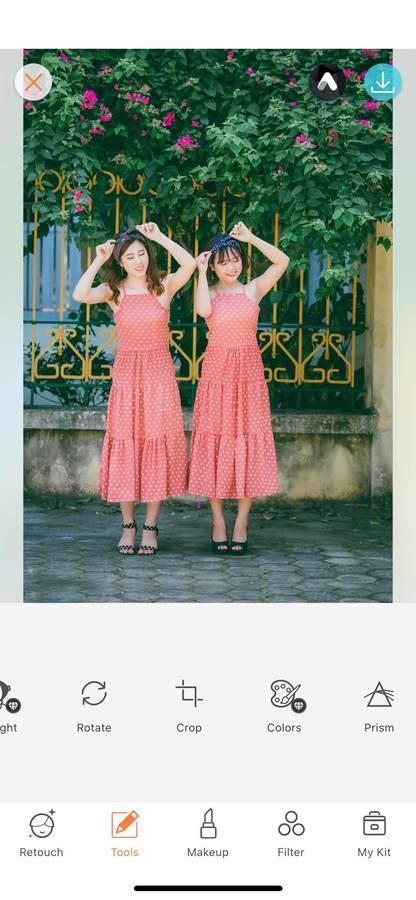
(115, 274)
(225, 253)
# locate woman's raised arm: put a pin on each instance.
(83, 291)
(172, 283)
(264, 283)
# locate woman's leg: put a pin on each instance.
(129, 534)
(149, 538)
(219, 531)
(241, 522)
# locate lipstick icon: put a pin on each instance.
(208, 829)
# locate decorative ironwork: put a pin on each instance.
(309, 353)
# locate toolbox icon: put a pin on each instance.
(374, 823)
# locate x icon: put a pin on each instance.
(33, 82)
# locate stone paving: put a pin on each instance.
(317, 553)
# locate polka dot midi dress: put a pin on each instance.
(144, 450)
(232, 446)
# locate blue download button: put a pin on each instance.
(383, 82)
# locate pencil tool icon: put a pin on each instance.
(124, 825)
(208, 829)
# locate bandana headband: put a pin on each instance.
(131, 232)
(225, 241)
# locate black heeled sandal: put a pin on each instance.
(148, 546)
(218, 546)
(128, 547)
(243, 545)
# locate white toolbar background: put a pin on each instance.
(232, 653)
(330, 866)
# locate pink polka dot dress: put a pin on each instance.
(144, 450)
(232, 446)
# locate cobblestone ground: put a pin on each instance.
(320, 553)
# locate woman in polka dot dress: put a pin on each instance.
(232, 446)
(144, 451)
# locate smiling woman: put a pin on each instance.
(232, 447)
(144, 452)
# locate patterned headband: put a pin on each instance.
(225, 241)
(131, 232)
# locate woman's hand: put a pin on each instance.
(202, 261)
(241, 233)
(150, 230)
(104, 251)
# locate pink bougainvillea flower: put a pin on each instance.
(185, 141)
(362, 75)
(96, 130)
(365, 122)
(104, 69)
(65, 57)
(388, 137)
(370, 104)
(195, 123)
(301, 138)
(144, 100)
(83, 141)
(183, 103)
(28, 105)
(370, 53)
(79, 208)
(135, 116)
(168, 119)
(348, 72)
(116, 86)
(344, 103)
(292, 80)
(280, 169)
(287, 71)
(331, 137)
(293, 103)
(249, 71)
(230, 54)
(105, 117)
(82, 119)
(77, 195)
(25, 52)
(90, 99)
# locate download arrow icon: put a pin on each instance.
(382, 84)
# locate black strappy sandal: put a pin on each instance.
(218, 546)
(243, 545)
(148, 546)
(127, 547)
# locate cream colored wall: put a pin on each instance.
(379, 358)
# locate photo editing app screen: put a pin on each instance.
(207, 671)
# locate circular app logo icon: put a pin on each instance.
(33, 82)
(383, 82)
(13, 705)
(327, 81)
